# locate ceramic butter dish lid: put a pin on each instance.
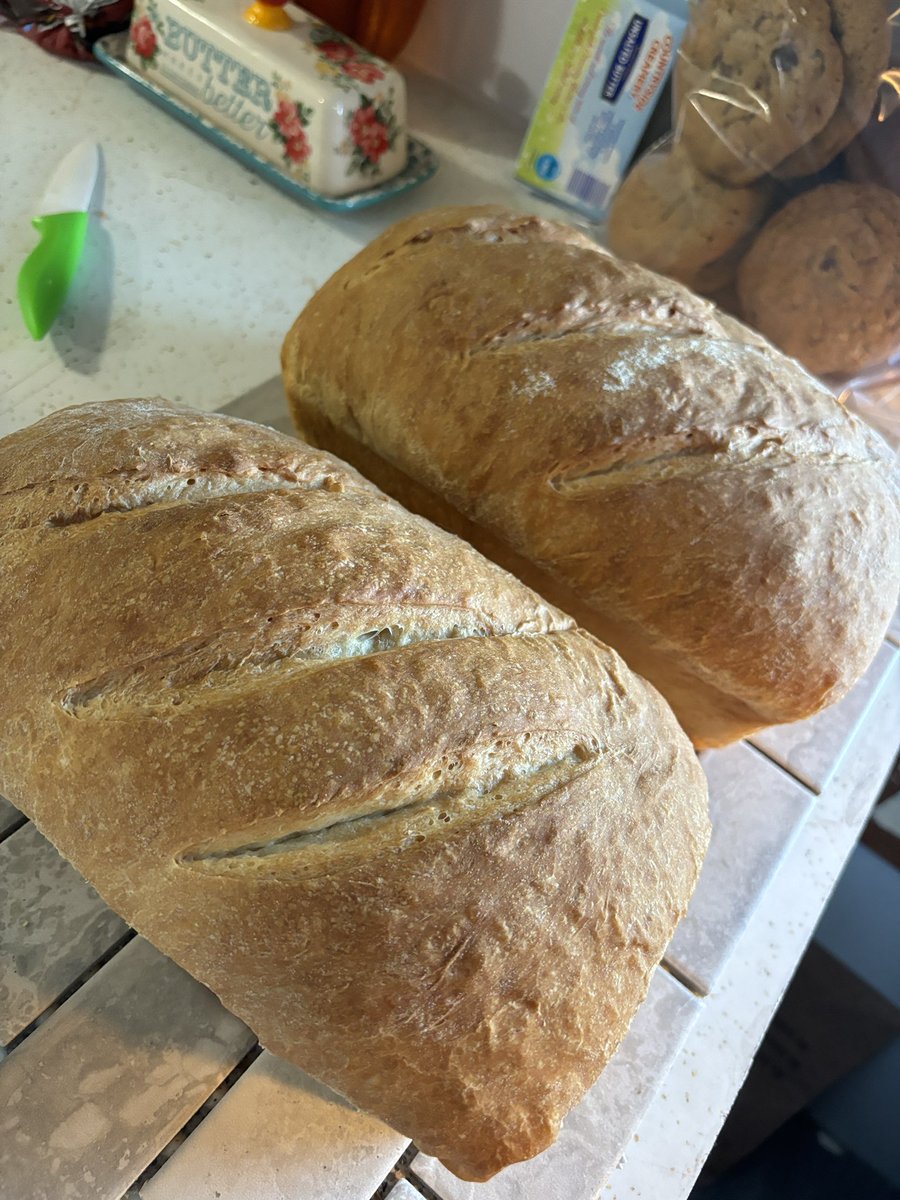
(296, 93)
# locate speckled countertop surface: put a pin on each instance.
(194, 271)
(195, 268)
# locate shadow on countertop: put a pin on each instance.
(799, 1162)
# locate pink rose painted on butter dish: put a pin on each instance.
(373, 131)
(337, 51)
(289, 125)
(363, 72)
(369, 134)
(144, 40)
(298, 148)
(344, 61)
(287, 118)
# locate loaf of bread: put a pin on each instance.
(424, 835)
(644, 461)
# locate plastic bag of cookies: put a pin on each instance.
(777, 192)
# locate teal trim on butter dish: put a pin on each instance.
(48, 271)
(421, 163)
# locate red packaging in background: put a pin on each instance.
(67, 30)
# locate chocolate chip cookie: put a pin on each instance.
(821, 279)
(755, 81)
(670, 217)
(862, 32)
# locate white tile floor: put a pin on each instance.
(94, 1094)
(811, 750)
(53, 926)
(596, 1132)
(751, 836)
(279, 1133)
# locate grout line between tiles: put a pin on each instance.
(805, 784)
(420, 1185)
(395, 1174)
(13, 828)
(194, 1120)
(70, 991)
(689, 984)
(880, 686)
(402, 1171)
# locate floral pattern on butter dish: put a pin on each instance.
(334, 48)
(373, 131)
(363, 72)
(143, 38)
(289, 125)
(343, 61)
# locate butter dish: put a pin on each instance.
(420, 161)
(301, 96)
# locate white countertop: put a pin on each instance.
(194, 271)
(195, 268)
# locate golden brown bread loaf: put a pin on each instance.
(424, 835)
(644, 461)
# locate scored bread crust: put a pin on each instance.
(427, 837)
(692, 496)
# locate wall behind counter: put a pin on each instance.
(496, 51)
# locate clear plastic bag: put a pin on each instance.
(777, 192)
(876, 398)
